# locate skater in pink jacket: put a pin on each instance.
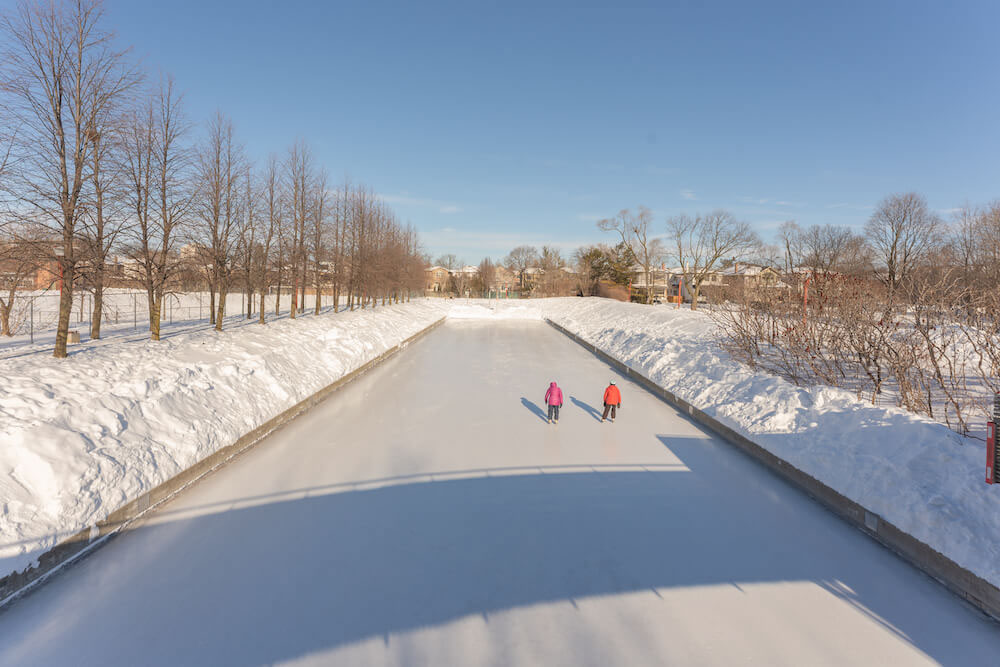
(554, 399)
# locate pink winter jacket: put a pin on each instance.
(554, 395)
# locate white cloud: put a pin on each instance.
(450, 208)
(688, 194)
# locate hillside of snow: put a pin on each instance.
(85, 435)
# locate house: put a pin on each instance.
(741, 274)
(436, 279)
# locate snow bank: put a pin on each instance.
(916, 473)
(481, 309)
(83, 436)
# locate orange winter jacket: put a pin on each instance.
(611, 395)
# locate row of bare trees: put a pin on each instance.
(698, 245)
(96, 162)
(907, 311)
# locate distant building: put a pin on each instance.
(436, 279)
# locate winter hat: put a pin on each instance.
(612, 382)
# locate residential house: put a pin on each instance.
(436, 280)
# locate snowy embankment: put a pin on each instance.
(914, 472)
(83, 436)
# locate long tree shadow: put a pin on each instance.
(534, 408)
(586, 407)
(285, 579)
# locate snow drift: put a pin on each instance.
(82, 437)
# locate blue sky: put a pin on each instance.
(489, 125)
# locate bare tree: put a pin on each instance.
(271, 232)
(520, 259)
(634, 230)
(220, 164)
(318, 212)
(65, 73)
(105, 212)
(702, 242)
(827, 248)
(791, 246)
(248, 234)
(155, 165)
(299, 170)
(901, 231)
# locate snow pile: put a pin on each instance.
(83, 436)
(481, 309)
(916, 473)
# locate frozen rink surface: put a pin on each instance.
(428, 515)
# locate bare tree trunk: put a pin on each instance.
(95, 318)
(211, 302)
(5, 309)
(154, 316)
(221, 314)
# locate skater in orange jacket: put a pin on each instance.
(612, 401)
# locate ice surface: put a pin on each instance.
(427, 515)
(85, 435)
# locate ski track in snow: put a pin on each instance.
(84, 436)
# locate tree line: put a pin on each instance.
(907, 308)
(96, 159)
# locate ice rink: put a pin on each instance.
(428, 514)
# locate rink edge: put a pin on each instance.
(17, 584)
(970, 587)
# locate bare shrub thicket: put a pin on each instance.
(920, 328)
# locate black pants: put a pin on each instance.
(554, 410)
(609, 406)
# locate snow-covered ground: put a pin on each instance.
(84, 435)
(914, 472)
(125, 316)
(429, 515)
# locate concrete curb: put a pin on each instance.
(86, 541)
(977, 591)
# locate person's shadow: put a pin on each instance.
(534, 408)
(586, 407)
